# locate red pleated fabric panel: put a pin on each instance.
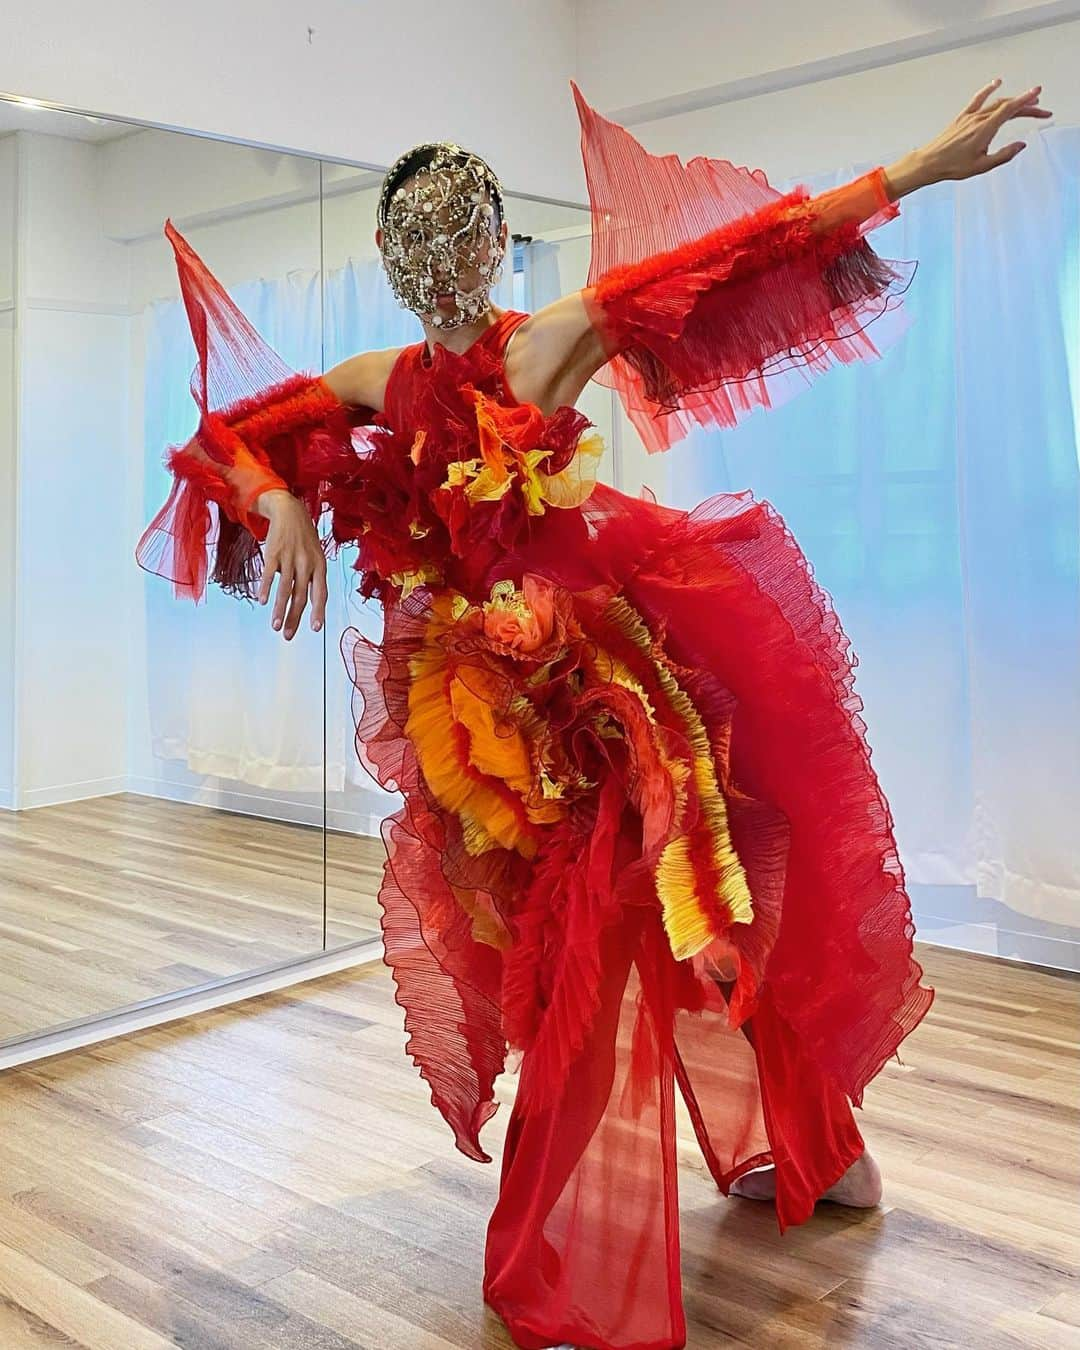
(717, 295)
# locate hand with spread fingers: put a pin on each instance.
(962, 149)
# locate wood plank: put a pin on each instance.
(71, 1311)
(121, 898)
(273, 1174)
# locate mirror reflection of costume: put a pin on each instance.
(642, 843)
(437, 229)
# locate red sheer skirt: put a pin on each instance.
(770, 1033)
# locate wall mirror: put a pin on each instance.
(180, 800)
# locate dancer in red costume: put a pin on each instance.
(641, 843)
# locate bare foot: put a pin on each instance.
(759, 1185)
(859, 1187)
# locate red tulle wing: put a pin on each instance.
(233, 362)
(262, 426)
(715, 293)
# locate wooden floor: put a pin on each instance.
(273, 1176)
(116, 899)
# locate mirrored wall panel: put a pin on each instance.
(181, 801)
(164, 779)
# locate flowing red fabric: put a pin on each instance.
(771, 1032)
(641, 843)
(716, 294)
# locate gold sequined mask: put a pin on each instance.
(440, 235)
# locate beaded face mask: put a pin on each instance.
(440, 235)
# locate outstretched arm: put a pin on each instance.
(247, 451)
(557, 351)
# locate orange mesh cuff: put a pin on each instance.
(864, 202)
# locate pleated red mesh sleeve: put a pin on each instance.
(714, 293)
(262, 426)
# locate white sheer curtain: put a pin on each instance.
(228, 697)
(539, 272)
(936, 493)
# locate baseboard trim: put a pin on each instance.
(61, 794)
(155, 1012)
(1051, 964)
(363, 819)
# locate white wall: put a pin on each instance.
(73, 552)
(373, 80)
(876, 114)
(634, 52)
(74, 557)
(8, 236)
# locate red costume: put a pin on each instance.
(641, 841)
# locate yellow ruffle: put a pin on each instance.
(500, 465)
(474, 770)
(687, 920)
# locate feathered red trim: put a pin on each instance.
(291, 437)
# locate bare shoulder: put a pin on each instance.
(555, 353)
(360, 380)
(553, 333)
